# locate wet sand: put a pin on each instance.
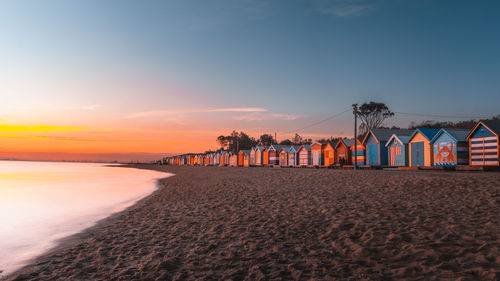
(213, 223)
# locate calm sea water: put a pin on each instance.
(42, 202)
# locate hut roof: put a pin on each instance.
(247, 151)
(494, 125)
(294, 147)
(285, 148)
(382, 134)
(428, 133)
(306, 146)
(348, 142)
(400, 139)
(333, 143)
(456, 134)
(278, 146)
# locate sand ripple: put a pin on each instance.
(294, 224)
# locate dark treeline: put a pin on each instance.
(467, 124)
(241, 141)
(371, 115)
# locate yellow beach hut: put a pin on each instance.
(420, 148)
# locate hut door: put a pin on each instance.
(316, 158)
(395, 151)
(484, 151)
(372, 154)
(392, 159)
(417, 154)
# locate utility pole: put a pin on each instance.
(275, 138)
(355, 111)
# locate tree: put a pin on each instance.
(245, 141)
(307, 141)
(286, 142)
(297, 139)
(331, 139)
(236, 141)
(468, 124)
(266, 139)
(373, 115)
(223, 141)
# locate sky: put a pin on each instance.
(127, 79)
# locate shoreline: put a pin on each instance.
(76, 238)
(246, 223)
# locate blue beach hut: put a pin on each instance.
(450, 148)
(292, 155)
(375, 142)
(397, 150)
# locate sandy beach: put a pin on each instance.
(214, 223)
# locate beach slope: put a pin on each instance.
(261, 223)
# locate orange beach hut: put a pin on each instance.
(343, 154)
(329, 154)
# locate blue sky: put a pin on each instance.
(300, 60)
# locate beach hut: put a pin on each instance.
(221, 157)
(273, 154)
(375, 144)
(317, 154)
(420, 149)
(233, 159)
(216, 158)
(484, 143)
(450, 148)
(265, 156)
(244, 158)
(258, 150)
(329, 153)
(397, 150)
(227, 158)
(304, 155)
(252, 156)
(292, 155)
(360, 153)
(342, 153)
(283, 155)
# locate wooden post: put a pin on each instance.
(355, 111)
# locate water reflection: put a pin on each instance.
(41, 202)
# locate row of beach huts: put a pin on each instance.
(423, 147)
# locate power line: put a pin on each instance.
(319, 122)
(437, 115)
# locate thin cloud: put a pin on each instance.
(35, 128)
(259, 116)
(44, 138)
(157, 113)
(256, 116)
(238, 109)
(286, 116)
(345, 8)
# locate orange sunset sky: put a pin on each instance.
(138, 80)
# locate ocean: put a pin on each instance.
(42, 202)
